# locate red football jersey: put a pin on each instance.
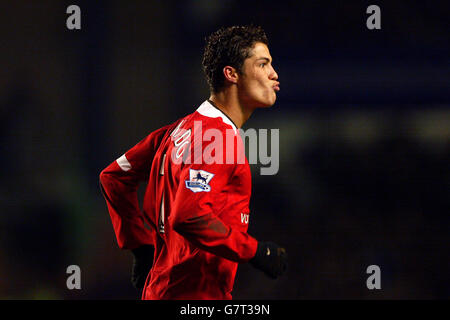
(196, 205)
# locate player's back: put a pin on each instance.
(179, 189)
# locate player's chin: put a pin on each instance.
(265, 101)
(270, 101)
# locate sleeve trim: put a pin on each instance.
(123, 163)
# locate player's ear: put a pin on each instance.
(230, 74)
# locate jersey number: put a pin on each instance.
(161, 208)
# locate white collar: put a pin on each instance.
(208, 110)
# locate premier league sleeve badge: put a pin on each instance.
(199, 180)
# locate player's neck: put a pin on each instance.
(232, 107)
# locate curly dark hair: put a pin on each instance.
(229, 46)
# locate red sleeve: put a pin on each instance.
(119, 183)
(194, 218)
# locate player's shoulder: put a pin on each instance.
(208, 137)
(211, 117)
(205, 116)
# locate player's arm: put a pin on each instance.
(193, 217)
(119, 184)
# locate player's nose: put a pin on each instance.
(273, 74)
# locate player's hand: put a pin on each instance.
(142, 263)
(270, 258)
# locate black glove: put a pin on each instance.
(142, 263)
(270, 258)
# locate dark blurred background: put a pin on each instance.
(364, 119)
